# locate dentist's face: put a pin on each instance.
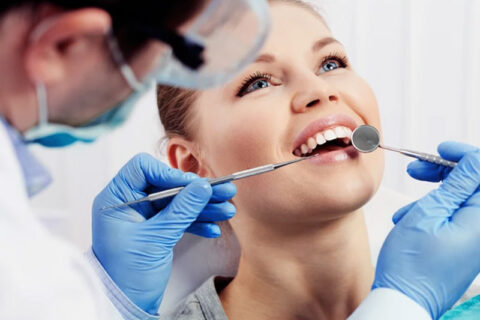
(300, 92)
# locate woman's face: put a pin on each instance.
(300, 86)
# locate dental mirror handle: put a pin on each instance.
(366, 138)
(422, 156)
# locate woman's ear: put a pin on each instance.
(64, 40)
(182, 154)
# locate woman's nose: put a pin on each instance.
(314, 95)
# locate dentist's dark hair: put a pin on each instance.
(129, 18)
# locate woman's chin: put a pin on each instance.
(310, 210)
(308, 198)
(337, 202)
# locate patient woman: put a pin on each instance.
(301, 229)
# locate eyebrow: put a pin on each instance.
(324, 42)
(268, 58)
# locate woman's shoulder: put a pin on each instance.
(204, 303)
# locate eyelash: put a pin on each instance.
(242, 90)
(341, 59)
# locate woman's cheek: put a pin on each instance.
(359, 96)
(367, 101)
(241, 143)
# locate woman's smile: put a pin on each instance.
(328, 138)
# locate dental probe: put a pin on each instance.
(213, 181)
(366, 138)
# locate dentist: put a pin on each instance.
(72, 70)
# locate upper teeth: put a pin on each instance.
(322, 137)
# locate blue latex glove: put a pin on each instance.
(433, 253)
(135, 244)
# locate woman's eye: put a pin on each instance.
(259, 84)
(330, 66)
(332, 62)
(255, 83)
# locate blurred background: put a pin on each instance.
(422, 58)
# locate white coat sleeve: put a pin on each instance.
(389, 304)
(41, 277)
(127, 308)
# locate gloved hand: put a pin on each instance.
(135, 244)
(433, 253)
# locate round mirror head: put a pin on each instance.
(365, 138)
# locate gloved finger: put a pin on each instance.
(469, 216)
(143, 171)
(402, 212)
(205, 229)
(223, 192)
(185, 207)
(217, 212)
(220, 193)
(454, 151)
(426, 171)
(459, 186)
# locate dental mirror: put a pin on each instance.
(366, 138)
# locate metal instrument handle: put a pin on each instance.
(234, 176)
(423, 156)
(435, 159)
(214, 181)
(164, 194)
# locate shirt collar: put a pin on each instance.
(36, 177)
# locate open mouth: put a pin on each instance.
(332, 139)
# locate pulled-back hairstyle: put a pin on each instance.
(174, 110)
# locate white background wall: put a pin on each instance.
(421, 57)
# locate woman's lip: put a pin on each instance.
(323, 124)
(335, 156)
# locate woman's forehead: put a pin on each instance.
(294, 25)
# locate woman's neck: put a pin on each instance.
(323, 274)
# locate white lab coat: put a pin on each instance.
(41, 277)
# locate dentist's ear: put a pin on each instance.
(63, 42)
(183, 154)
